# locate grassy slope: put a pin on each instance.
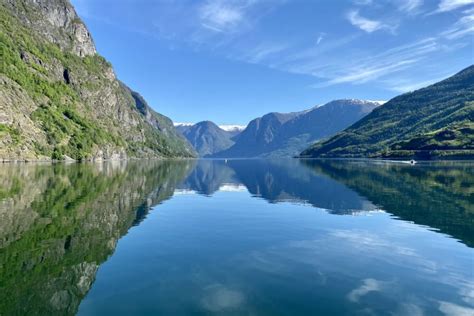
(434, 122)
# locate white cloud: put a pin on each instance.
(232, 128)
(320, 38)
(366, 73)
(365, 24)
(224, 16)
(182, 124)
(463, 27)
(449, 5)
(410, 5)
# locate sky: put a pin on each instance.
(230, 61)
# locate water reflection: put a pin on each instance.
(59, 223)
(439, 195)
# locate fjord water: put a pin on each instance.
(237, 237)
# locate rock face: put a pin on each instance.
(286, 134)
(55, 17)
(207, 138)
(59, 98)
(435, 122)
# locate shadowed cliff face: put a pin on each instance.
(59, 223)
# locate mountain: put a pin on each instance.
(433, 122)
(286, 134)
(207, 138)
(59, 99)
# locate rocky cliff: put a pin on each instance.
(59, 99)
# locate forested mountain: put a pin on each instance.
(433, 122)
(59, 99)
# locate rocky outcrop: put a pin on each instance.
(57, 21)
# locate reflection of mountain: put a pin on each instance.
(59, 223)
(276, 181)
(440, 196)
(208, 176)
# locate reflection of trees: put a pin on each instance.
(440, 196)
(58, 223)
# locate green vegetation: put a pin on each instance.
(13, 132)
(430, 123)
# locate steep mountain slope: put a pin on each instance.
(285, 135)
(207, 138)
(433, 122)
(59, 98)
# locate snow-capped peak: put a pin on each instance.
(232, 128)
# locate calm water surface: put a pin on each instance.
(242, 237)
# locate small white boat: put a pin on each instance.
(412, 161)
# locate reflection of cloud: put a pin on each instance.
(230, 187)
(467, 293)
(451, 309)
(184, 192)
(367, 240)
(368, 285)
(409, 309)
(219, 298)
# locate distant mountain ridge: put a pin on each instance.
(286, 134)
(430, 123)
(207, 138)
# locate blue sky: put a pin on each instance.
(230, 61)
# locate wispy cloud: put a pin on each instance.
(406, 85)
(320, 38)
(365, 69)
(264, 51)
(463, 27)
(450, 5)
(410, 6)
(366, 24)
(222, 16)
(366, 73)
